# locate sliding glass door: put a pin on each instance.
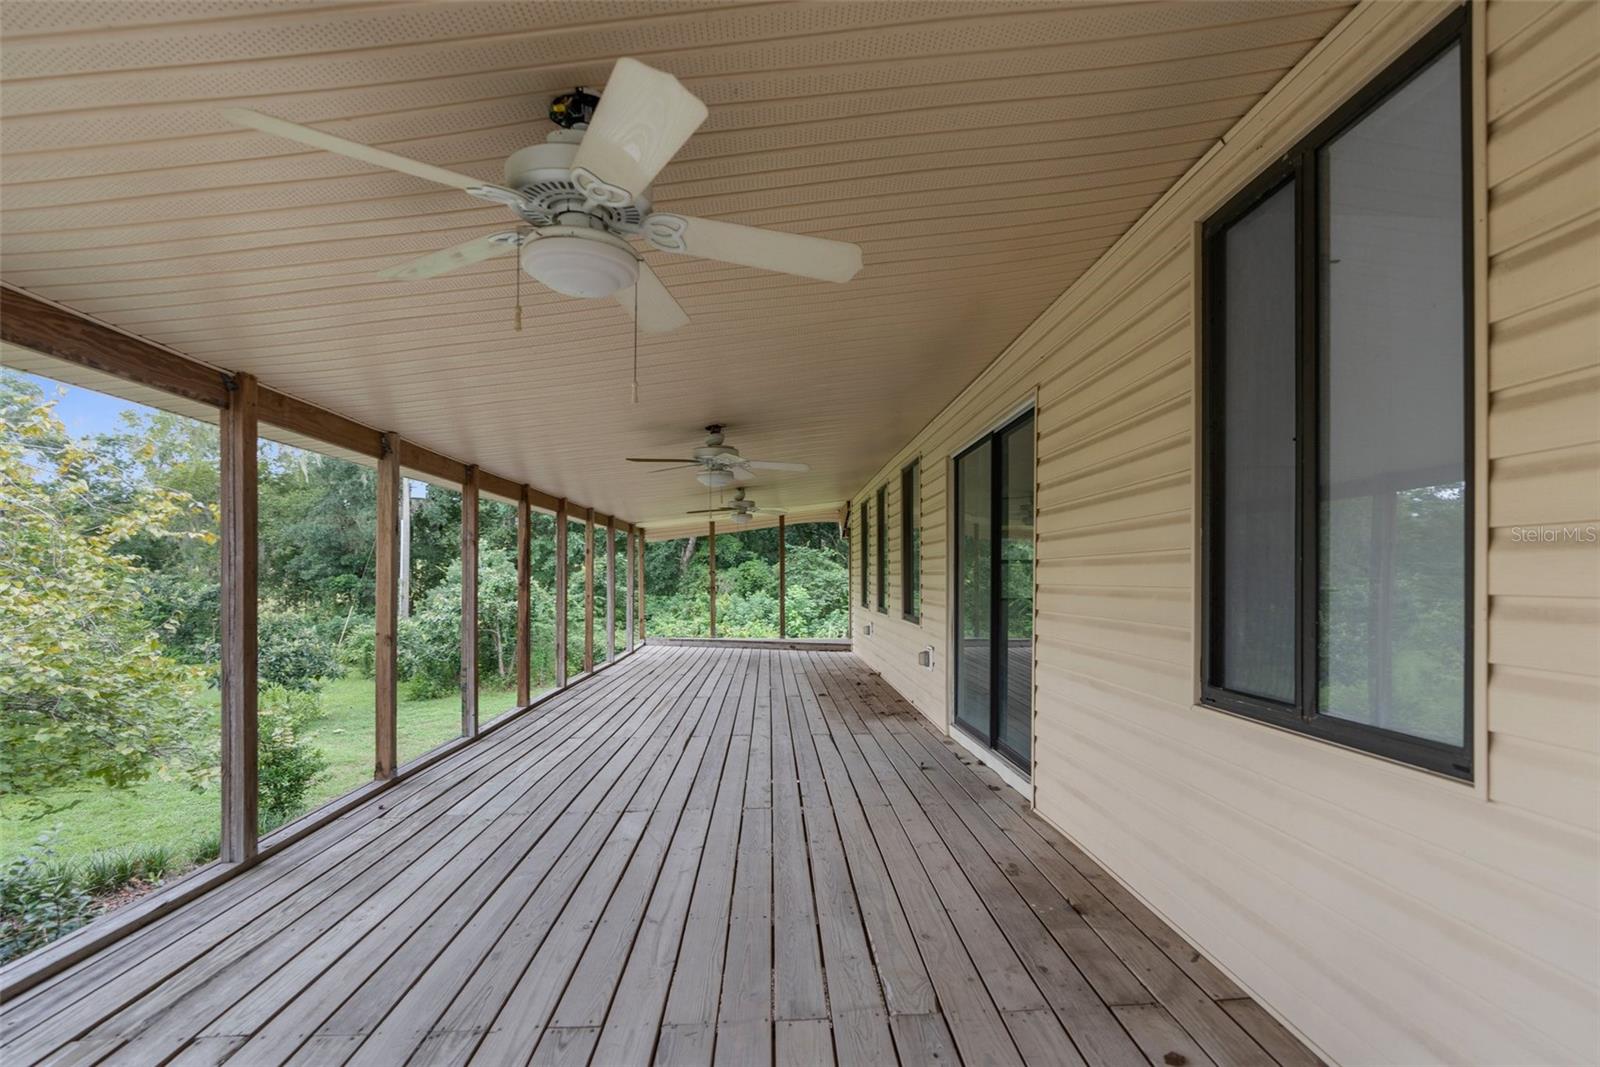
(994, 481)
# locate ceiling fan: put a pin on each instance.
(721, 464)
(585, 191)
(741, 508)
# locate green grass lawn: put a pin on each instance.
(156, 812)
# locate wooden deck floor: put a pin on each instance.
(701, 855)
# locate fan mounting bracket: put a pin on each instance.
(573, 109)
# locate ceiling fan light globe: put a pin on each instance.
(578, 267)
(715, 479)
(741, 517)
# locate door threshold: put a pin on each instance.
(997, 763)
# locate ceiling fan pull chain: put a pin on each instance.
(635, 342)
(516, 319)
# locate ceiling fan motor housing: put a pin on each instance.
(542, 173)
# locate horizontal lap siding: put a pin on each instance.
(1544, 414)
(1388, 915)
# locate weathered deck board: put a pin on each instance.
(703, 855)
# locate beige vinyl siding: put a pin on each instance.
(1388, 915)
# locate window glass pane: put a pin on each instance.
(816, 580)
(428, 659)
(1392, 628)
(316, 584)
(1016, 590)
(497, 607)
(881, 538)
(676, 587)
(911, 539)
(974, 569)
(864, 569)
(1253, 502)
(109, 650)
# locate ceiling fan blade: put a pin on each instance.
(636, 459)
(708, 511)
(644, 117)
(658, 311)
(740, 472)
(748, 246)
(242, 116)
(448, 259)
(768, 465)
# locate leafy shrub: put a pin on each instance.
(40, 900)
(359, 650)
(292, 654)
(288, 765)
(90, 691)
(111, 869)
(429, 654)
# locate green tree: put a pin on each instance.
(86, 689)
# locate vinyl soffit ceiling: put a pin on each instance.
(982, 155)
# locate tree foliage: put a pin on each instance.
(816, 580)
(89, 688)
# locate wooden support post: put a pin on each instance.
(561, 593)
(711, 580)
(642, 627)
(783, 599)
(238, 605)
(627, 591)
(588, 590)
(524, 603)
(391, 496)
(611, 589)
(469, 604)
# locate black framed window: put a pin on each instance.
(882, 536)
(1337, 392)
(911, 542)
(866, 588)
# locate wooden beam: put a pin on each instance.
(711, 581)
(469, 603)
(390, 487)
(494, 485)
(540, 499)
(55, 331)
(426, 461)
(319, 423)
(524, 603)
(611, 588)
(238, 605)
(588, 591)
(783, 600)
(561, 593)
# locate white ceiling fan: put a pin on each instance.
(740, 509)
(585, 191)
(721, 464)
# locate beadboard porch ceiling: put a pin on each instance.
(983, 156)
